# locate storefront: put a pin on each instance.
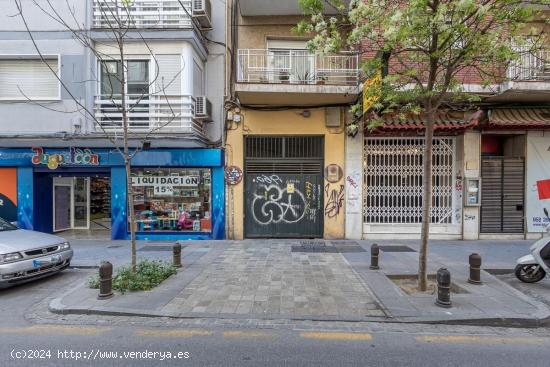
(178, 193)
(385, 184)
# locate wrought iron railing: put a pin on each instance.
(148, 114)
(297, 67)
(531, 65)
(142, 14)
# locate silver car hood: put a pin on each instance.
(21, 239)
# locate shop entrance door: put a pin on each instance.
(284, 187)
(62, 208)
(71, 203)
(502, 181)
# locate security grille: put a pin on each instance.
(393, 175)
(269, 147)
(284, 186)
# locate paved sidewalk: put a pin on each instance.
(267, 280)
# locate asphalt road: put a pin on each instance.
(81, 345)
(109, 342)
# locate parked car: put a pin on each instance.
(28, 255)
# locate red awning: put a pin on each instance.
(514, 118)
(445, 120)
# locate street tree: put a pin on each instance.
(421, 50)
(114, 121)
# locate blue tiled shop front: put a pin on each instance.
(198, 173)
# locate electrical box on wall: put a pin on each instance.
(333, 117)
(473, 192)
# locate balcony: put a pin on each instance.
(142, 14)
(531, 66)
(296, 77)
(279, 7)
(528, 78)
(156, 114)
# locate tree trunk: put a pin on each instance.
(426, 202)
(127, 163)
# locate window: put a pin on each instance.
(172, 199)
(137, 78)
(22, 78)
(198, 80)
(291, 60)
(137, 93)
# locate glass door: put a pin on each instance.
(61, 205)
(81, 203)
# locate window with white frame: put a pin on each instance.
(23, 78)
(136, 86)
(137, 77)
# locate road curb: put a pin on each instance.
(56, 306)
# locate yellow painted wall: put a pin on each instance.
(284, 123)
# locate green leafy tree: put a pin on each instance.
(421, 49)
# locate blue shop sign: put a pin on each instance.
(86, 157)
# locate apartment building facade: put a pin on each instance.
(285, 136)
(61, 127)
(298, 174)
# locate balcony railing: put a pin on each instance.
(531, 66)
(297, 67)
(142, 14)
(148, 114)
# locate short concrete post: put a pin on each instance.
(374, 255)
(443, 278)
(475, 269)
(176, 255)
(105, 280)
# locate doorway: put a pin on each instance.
(284, 186)
(502, 184)
(82, 206)
(62, 208)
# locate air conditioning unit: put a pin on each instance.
(203, 109)
(202, 12)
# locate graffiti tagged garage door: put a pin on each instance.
(284, 187)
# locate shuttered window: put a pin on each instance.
(168, 79)
(28, 78)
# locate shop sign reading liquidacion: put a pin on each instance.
(164, 185)
(75, 156)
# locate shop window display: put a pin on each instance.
(172, 199)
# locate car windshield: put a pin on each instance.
(6, 226)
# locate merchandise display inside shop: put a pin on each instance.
(172, 199)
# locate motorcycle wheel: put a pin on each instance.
(530, 273)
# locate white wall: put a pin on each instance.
(354, 186)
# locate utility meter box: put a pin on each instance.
(473, 192)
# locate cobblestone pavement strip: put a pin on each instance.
(252, 278)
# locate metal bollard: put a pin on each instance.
(176, 255)
(443, 288)
(105, 280)
(374, 255)
(475, 269)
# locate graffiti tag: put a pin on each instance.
(273, 179)
(335, 201)
(273, 204)
(352, 182)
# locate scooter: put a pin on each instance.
(534, 267)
